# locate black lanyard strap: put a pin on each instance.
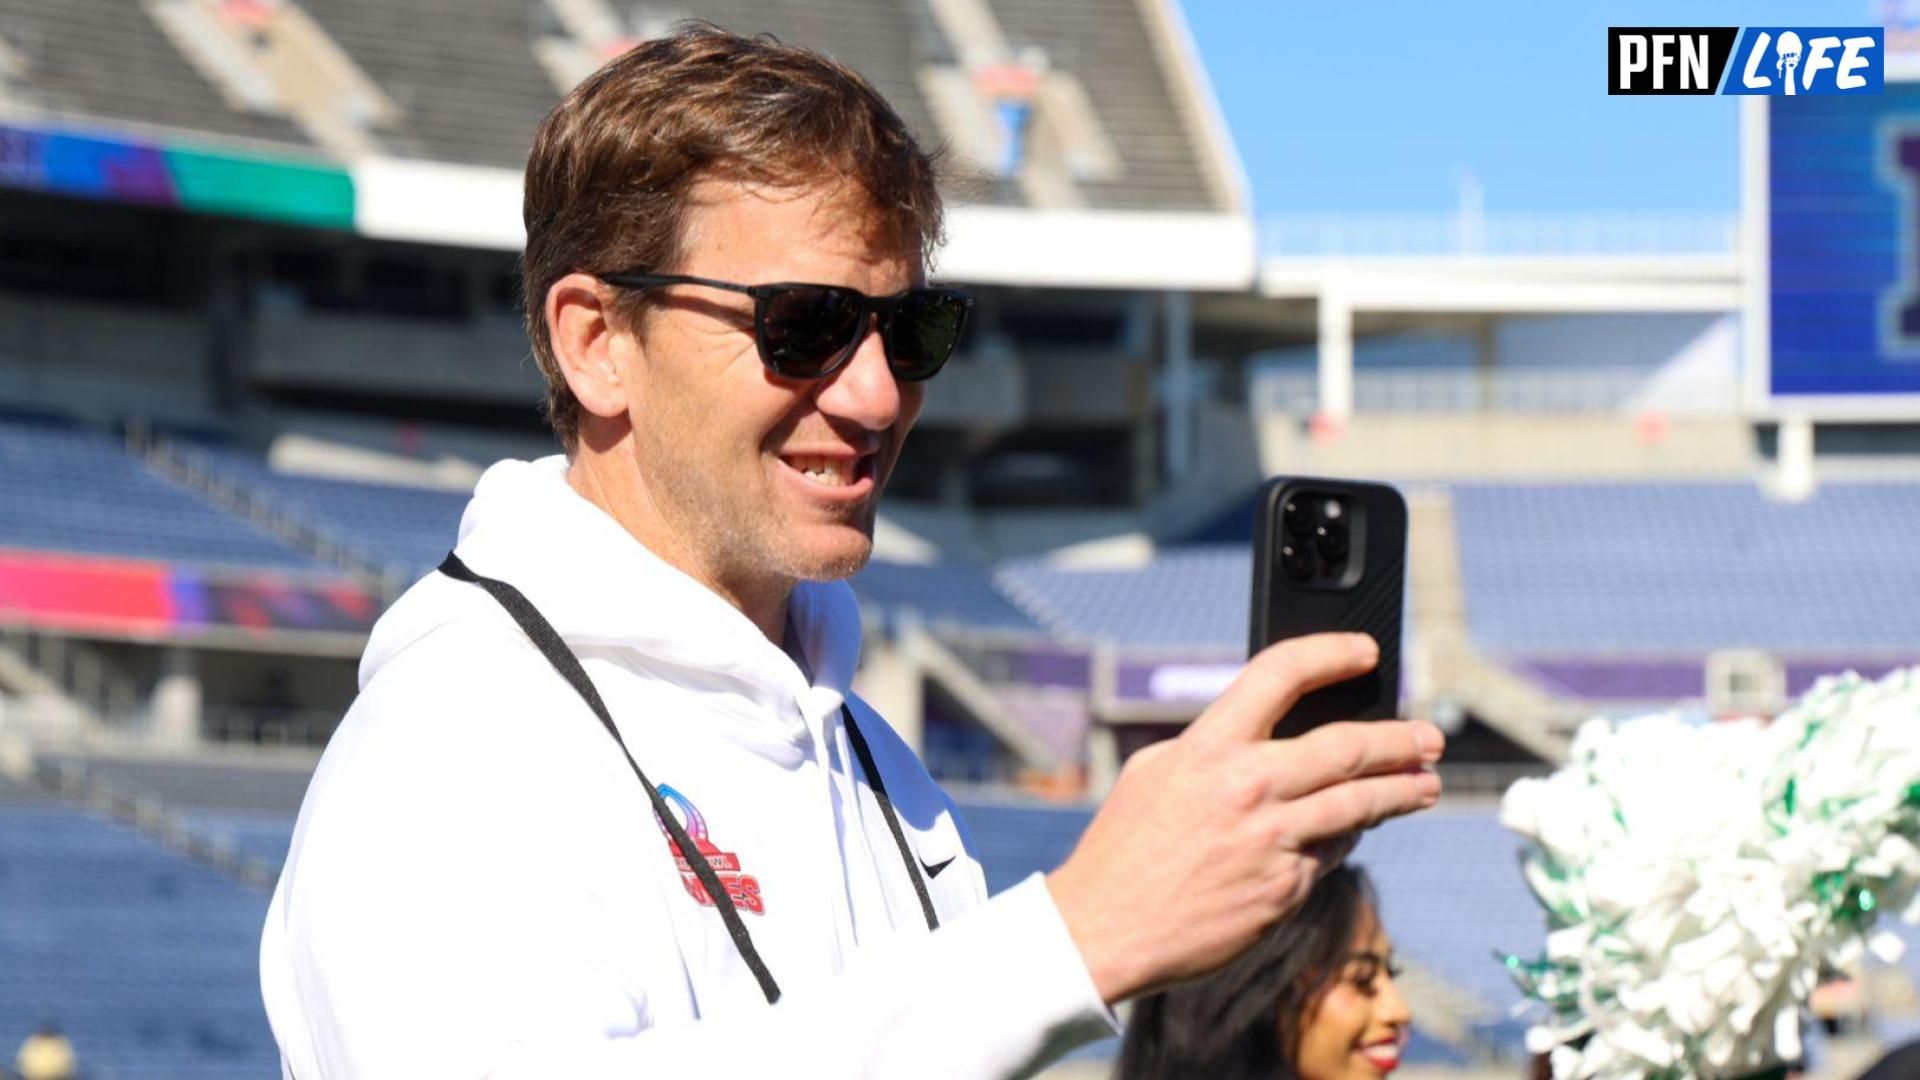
(893, 820)
(547, 640)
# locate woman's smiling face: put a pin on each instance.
(1358, 1027)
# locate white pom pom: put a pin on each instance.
(1703, 874)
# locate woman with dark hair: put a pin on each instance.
(1314, 1000)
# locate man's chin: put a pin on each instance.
(830, 552)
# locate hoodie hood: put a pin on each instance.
(604, 590)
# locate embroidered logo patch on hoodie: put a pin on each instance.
(743, 889)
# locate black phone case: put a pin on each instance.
(1282, 608)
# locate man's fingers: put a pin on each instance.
(1358, 804)
(1328, 755)
(1276, 678)
(1331, 853)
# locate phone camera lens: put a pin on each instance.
(1297, 561)
(1297, 518)
(1332, 541)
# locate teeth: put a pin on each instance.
(831, 472)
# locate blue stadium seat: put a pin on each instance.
(1453, 898)
(1183, 599)
(1689, 567)
(1193, 597)
(940, 595)
(68, 489)
(1017, 839)
(147, 961)
(259, 838)
(409, 528)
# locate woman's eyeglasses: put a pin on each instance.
(811, 331)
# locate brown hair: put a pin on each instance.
(614, 165)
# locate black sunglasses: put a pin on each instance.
(811, 331)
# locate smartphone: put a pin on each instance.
(1331, 555)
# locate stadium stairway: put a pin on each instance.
(1449, 664)
(231, 482)
(33, 704)
(931, 658)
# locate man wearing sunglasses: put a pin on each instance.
(607, 804)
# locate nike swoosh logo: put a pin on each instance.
(934, 870)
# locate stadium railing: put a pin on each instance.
(242, 725)
(189, 467)
(1503, 234)
(1552, 390)
(76, 671)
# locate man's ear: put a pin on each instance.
(580, 327)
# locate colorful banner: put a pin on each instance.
(120, 168)
(138, 599)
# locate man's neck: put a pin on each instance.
(764, 603)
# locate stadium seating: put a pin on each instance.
(98, 59)
(1453, 898)
(260, 839)
(14, 793)
(188, 784)
(408, 528)
(1018, 839)
(68, 489)
(941, 595)
(147, 961)
(1111, 50)
(463, 73)
(1686, 568)
(248, 809)
(1185, 598)
(468, 88)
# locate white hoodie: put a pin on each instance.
(478, 886)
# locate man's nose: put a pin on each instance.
(864, 390)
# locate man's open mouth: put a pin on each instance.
(832, 470)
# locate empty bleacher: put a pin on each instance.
(467, 85)
(1017, 839)
(1184, 598)
(68, 489)
(407, 528)
(462, 73)
(1689, 567)
(1453, 898)
(146, 960)
(941, 596)
(185, 784)
(108, 60)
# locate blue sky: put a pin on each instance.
(1385, 105)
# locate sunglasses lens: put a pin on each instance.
(926, 327)
(804, 330)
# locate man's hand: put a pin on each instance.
(1210, 837)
